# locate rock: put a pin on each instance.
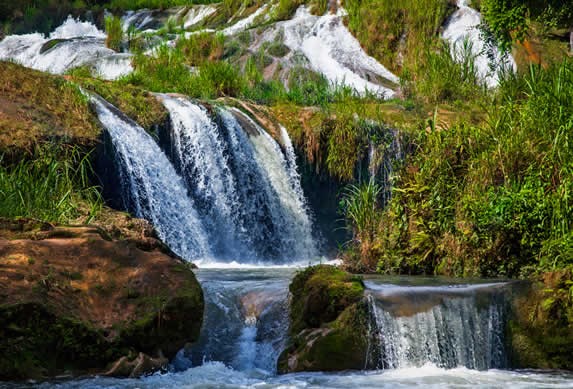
(143, 364)
(540, 328)
(75, 301)
(329, 322)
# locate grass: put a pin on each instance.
(52, 186)
(54, 109)
(114, 31)
(396, 33)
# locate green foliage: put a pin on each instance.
(504, 18)
(510, 20)
(114, 31)
(152, 4)
(54, 186)
(284, 9)
(362, 210)
(201, 47)
(446, 76)
(389, 30)
(495, 199)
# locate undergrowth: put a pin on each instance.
(53, 185)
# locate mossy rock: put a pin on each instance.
(539, 334)
(51, 44)
(342, 345)
(329, 322)
(80, 303)
(320, 294)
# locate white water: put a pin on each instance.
(152, 187)
(216, 375)
(333, 51)
(463, 26)
(82, 44)
(245, 23)
(382, 158)
(140, 20)
(454, 332)
(197, 14)
(247, 191)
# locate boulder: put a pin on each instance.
(329, 322)
(74, 301)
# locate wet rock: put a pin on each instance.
(540, 329)
(329, 322)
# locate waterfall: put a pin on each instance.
(247, 191)
(448, 327)
(71, 45)
(151, 188)
(246, 319)
(463, 27)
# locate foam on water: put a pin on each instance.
(218, 375)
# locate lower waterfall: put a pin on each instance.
(446, 326)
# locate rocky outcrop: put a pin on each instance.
(329, 322)
(540, 329)
(74, 301)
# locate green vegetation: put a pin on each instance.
(362, 210)
(114, 32)
(510, 20)
(494, 199)
(54, 186)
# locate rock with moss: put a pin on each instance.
(74, 301)
(329, 322)
(540, 329)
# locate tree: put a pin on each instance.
(508, 20)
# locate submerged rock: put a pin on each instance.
(74, 301)
(329, 322)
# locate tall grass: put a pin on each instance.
(396, 32)
(447, 75)
(114, 31)
(50, 187)
(361, 208)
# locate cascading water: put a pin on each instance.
(463, 29)
(382, 157)
(71, 45)
(330, 49)
(247, 191)
(447, 327)
(151, 187)
(246, 319)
